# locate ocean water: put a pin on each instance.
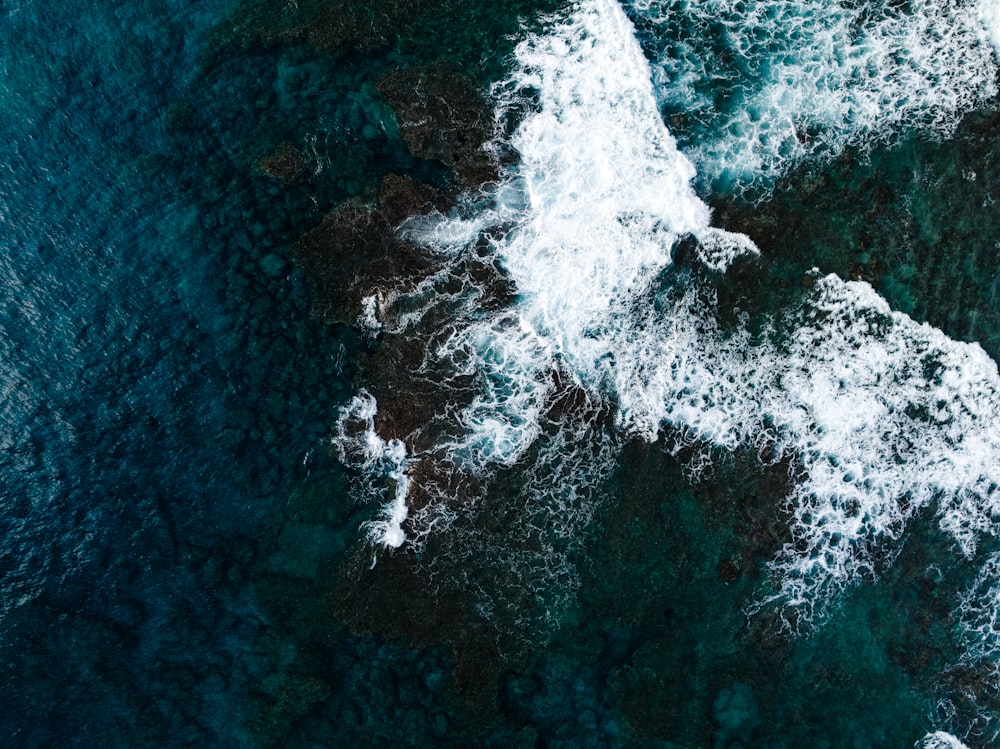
(585, 374)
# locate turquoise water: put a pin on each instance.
(563, 462)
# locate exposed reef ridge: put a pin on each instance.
(356, 257)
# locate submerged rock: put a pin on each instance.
(355, 250)
(345, 27)
(286, 164)
(272, 265)
(736, 714)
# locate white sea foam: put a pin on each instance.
(989, 15)
(765, 84)
(369, 320)
(883, 416)
(599, 199)
(358, 444)
(939, 740)
(886, 417)
(596, 147)
(978, 614)
(512, 365)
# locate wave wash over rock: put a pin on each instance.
(881, 417)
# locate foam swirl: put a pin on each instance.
(759, 87)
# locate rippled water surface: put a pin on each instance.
(544, 374)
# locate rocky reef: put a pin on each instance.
(443, 117)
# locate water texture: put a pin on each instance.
(532, 375)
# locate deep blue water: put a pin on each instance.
(182, 556)
(149, 365)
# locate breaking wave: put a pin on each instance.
(605, 339)
(883, 416)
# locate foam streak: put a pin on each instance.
(788, 80)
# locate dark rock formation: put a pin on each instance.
(355, 250)
(399, 198)
(442, 116)
(286, 164)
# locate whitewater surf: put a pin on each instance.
(880, 419)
